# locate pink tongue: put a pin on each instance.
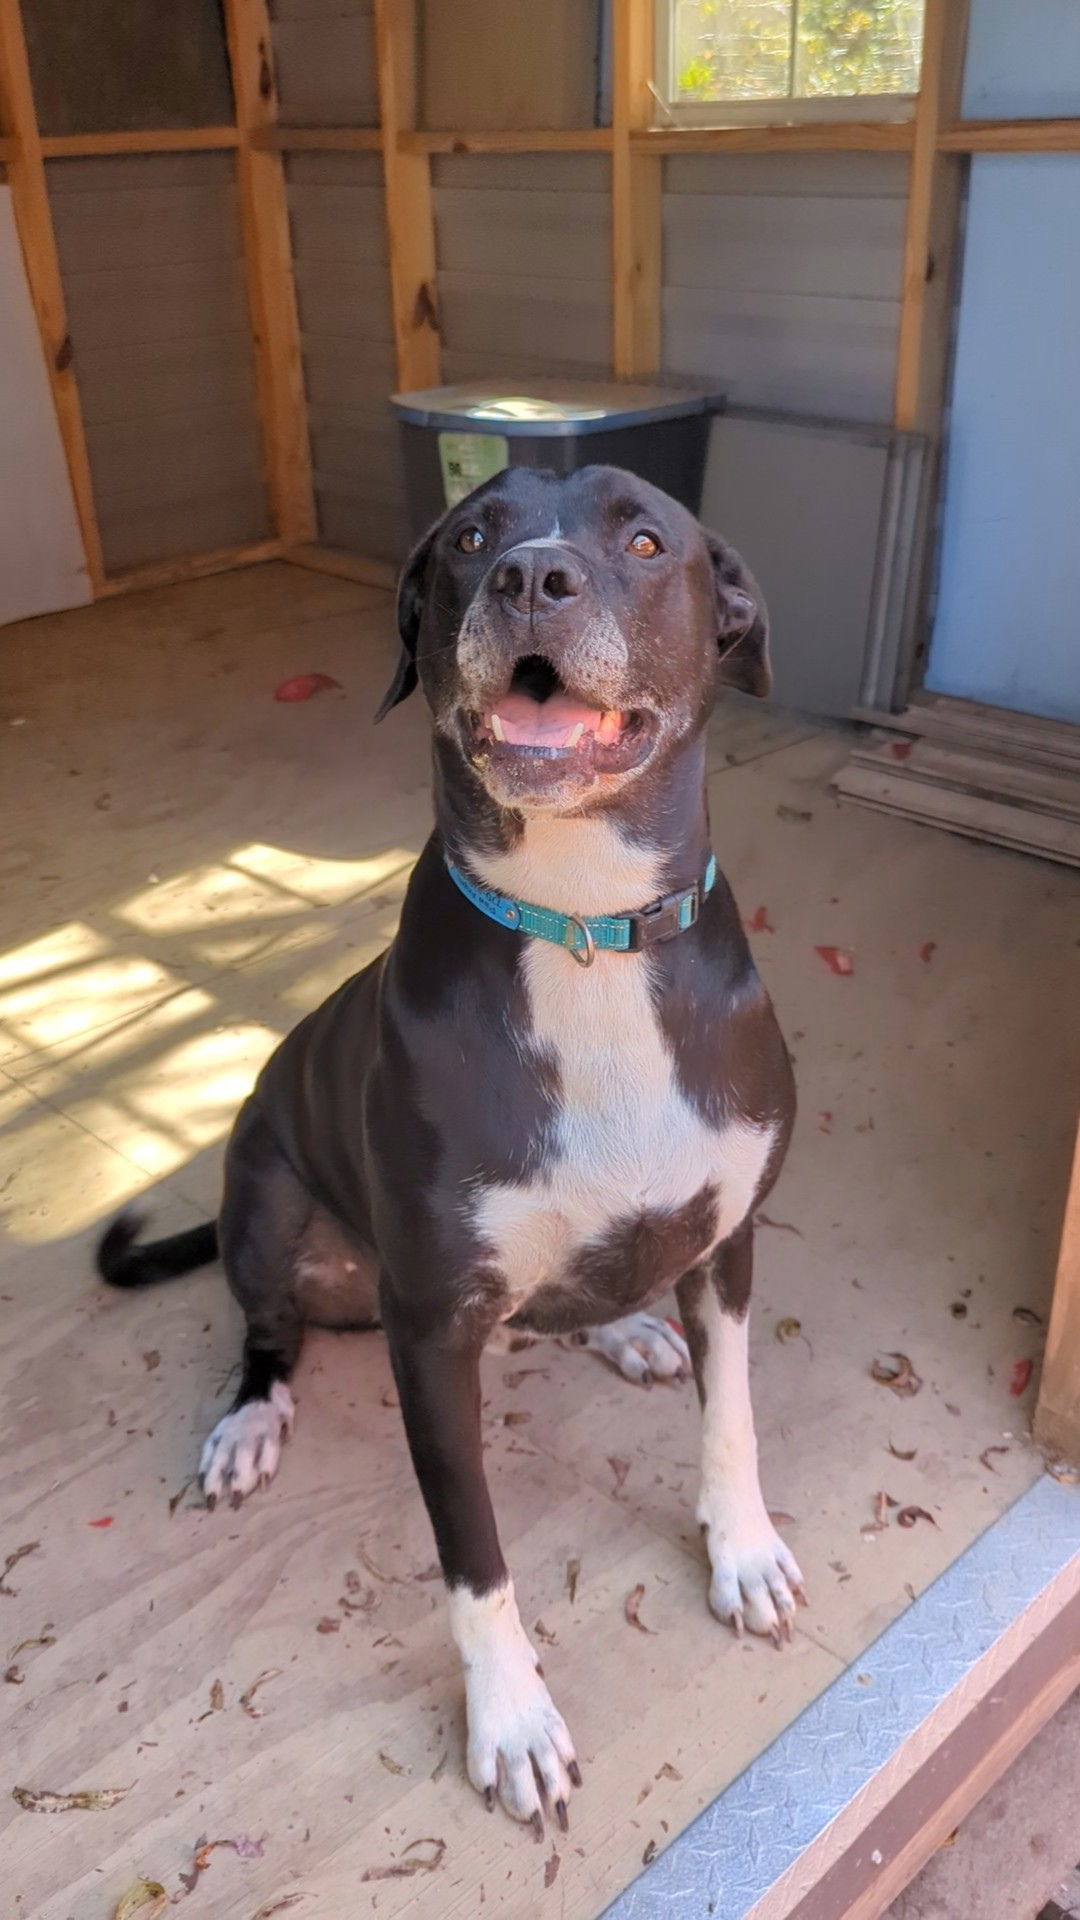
(530, 723)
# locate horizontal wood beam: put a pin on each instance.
(1011, 136)
(538, 140)
(77, 146)
(318, 139)
(821, 136)
(188, 566)
(344, 566)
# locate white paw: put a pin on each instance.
(756, 1580)
(517, 1736)
(244, 1448)
(643, 1348)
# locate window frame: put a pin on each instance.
(781, 110)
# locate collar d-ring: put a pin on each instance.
(586, 953)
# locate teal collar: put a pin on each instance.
(614, 932)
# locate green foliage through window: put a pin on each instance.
(802, 49)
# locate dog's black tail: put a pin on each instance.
(123, 1264)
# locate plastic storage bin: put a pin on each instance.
(456, 437)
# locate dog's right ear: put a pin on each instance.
(410, 606)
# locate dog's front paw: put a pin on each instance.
(756, 1580)
(244, 1449)
(517, 1736)
(642, 1347)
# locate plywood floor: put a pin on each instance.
(186, 867)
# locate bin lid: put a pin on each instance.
(550, 409)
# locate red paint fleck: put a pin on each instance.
(824, 1122)
(304, 685)
(676, 1327)
(900, 749)
(1019, 1377)
(927, 951)
(759, 921)
(837, 959)
(105, 1521)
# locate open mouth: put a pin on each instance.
(538, 719)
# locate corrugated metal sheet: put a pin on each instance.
(151, 260)
(782, 278)
(343, 293)
(324, 55)
(523, 253)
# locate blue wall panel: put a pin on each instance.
(1007, 626)
(1023, 60)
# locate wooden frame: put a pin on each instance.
(191, 566)
(410, 219)
(33, 219)
(264, 221)
(636, 197)
(1057, 1415)
(78, 146)
(929, 181)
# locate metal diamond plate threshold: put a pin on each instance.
(835, 1818)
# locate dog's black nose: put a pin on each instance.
(538, 579)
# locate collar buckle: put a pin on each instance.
(673, 913)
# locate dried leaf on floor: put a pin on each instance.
(668, 1772)
(367, 1602)
(280, 1906)
(927, 951)
(217, 1701)
(14, 1676)
(145, 1899)
(551, 1870)
(88, 1800)
(958, 1309)
(759, 921)
(515, 1378)
(303, 685)
(243, 1846)
(837, 959)
(20, 1553)
(1019, 1377)
(792, 813)
(439, 1768)
(573, 1574)
(788, 1329)
(649, 1854)
(781, 1226)
(151, 1360)
(630, 1609)
(43, 1639)
(327, 1625)
(177, 1497)
(432, 1572)
(899, 1453)
(894, 1370)
(388, 1579)
(516, 1418)
(389, 1398)
(392, 1766)
(907, 1516)
(1027, 1316)
(545, 1634)
(247, 1700)
(404, 1869)
(986, 1460)
(620, 1468)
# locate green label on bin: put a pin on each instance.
(468, 459)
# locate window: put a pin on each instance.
(726, 62)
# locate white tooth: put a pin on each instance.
(497, 727)
(576, 733)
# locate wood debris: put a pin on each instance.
(620, 1468)
(518, 1374)
(516, 1419)
(792, 813)
(20, 1553)
(388, 1579)
(781, 1226)
(152, 1360)
(279, 1906)
(985, 1460)
(668, 1772)
(649, 1854)
(88, 1800)
(177, 1497)
(404, 1869)
(367, 1602)
(907, 1516)
(573, 1574)
(1027, 1316)
(247, 1700)
(551, 1870)
(787, 1329)
(899, 1454)
(327, 1625)
(544, 1633)
(392, 1766)
(894, 1370)
(631, 1606)
(146, 1899)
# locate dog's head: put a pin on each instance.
(568, 633)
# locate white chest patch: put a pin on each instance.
(627, 1139)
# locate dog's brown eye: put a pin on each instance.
(471, 540)
(645, 545)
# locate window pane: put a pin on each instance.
(857, 46)
(732, 49)
(773, 49)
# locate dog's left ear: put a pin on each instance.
(410, 606)
(742, 622)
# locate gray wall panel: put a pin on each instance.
(324, 55)
(781, 278)
(523, 250)
(346, 323)
(150, 255)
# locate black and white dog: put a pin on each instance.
(561, 1091)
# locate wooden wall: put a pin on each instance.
(150, 255)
